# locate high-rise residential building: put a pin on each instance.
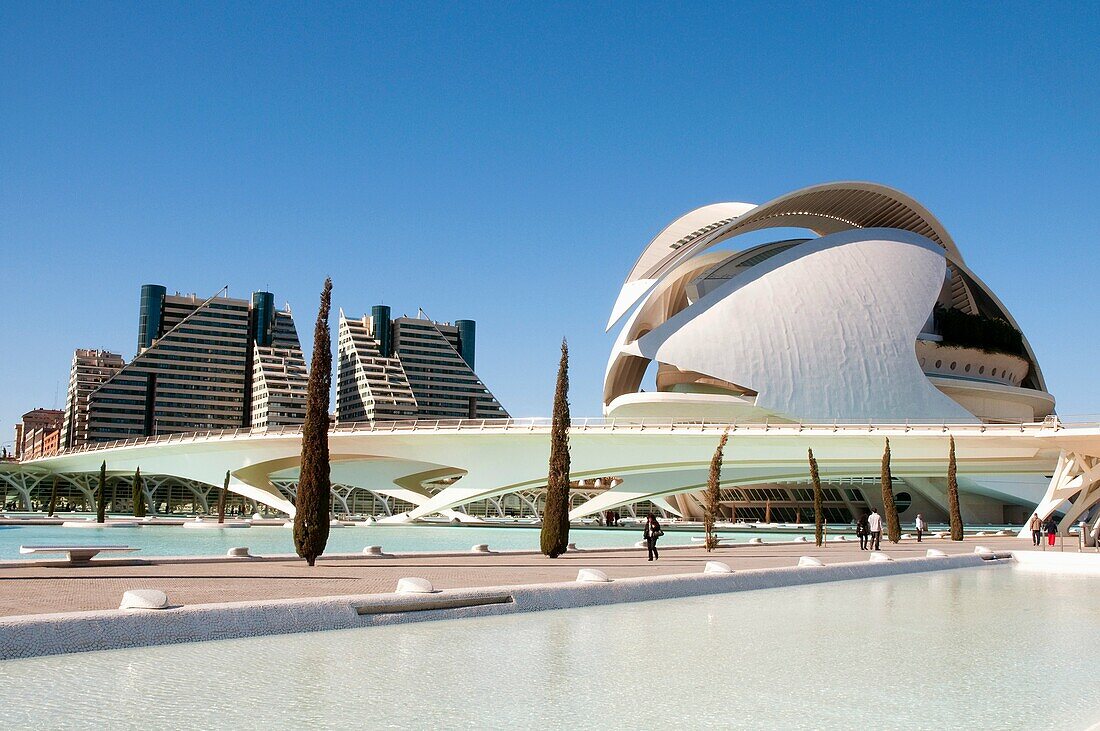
(194, 368)
(409, 368)
(279, 376)
(90, 368)
(38, 433)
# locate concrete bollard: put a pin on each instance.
(717, 567)
(879, 557)
(372, 551)
(144, 599)
(480, 548)
(810, 561)
(593, 576)
(415, 585)
(238, 552)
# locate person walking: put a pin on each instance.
(1036, 530)
(862, 531)
(874, 524)
(1052, 530)
(922, 526)
(651, 533)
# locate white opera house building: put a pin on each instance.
(829, 318)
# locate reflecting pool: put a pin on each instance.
(168, 540)
(984, 648)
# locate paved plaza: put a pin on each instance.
(36, 588)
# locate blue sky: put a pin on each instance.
(507, 162)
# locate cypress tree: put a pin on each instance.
(713, 495)
(819, 512)
(53, 497)
(554, 538)
(139, 494)
(893, 526)
(953, 496)
(221, 498)
(101, 495)
(311, 514)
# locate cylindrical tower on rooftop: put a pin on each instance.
(263, 317)
(149, 314)
(467, 330)
(383, 332)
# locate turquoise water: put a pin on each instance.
(985, 648)
(167, 540)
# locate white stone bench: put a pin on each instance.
(77, 554)
(721, 541)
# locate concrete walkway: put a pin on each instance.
(28, 588)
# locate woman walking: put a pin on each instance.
(651, 533)
(1052, 530)
(863, 530)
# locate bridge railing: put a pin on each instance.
(595, 424)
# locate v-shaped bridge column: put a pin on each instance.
(1076, 479)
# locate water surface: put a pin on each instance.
(168, 540)
(984, 648)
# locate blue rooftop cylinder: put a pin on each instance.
(150, 311)
(383, 332)
(467, 332)
(263, 317)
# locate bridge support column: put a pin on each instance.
(1076, 479)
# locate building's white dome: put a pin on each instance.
(876, 318)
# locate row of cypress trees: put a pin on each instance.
(893, 524)
(893, 527)
(140, 508)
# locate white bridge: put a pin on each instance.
(652, 460)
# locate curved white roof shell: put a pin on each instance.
(824, 209)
